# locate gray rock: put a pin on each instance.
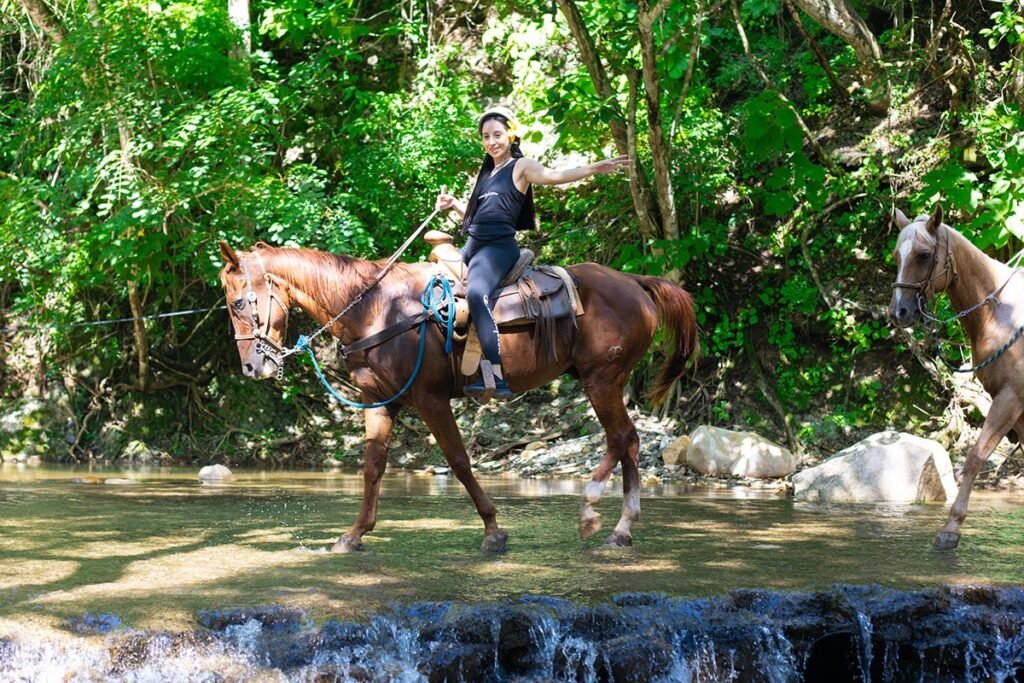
(722, 452)
(885, 467)
(138, 452)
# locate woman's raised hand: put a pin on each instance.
(613, 165)
(444, 201)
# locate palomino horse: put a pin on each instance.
(621, 315)
(931, 257)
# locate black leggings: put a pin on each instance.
(489, 263)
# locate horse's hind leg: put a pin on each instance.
(439, 419)
(1002, 416)
(623, 447)
(378, 423)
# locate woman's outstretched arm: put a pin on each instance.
(533, 171)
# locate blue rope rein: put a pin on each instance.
(441, 308)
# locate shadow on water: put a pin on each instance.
(155, 554)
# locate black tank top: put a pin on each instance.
(498, 207)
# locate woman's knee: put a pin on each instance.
(476, 296)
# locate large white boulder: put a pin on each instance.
(722, 452)
(889, 467)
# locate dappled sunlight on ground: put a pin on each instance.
(20, 573)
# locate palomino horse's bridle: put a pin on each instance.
(924, 289)
(264, 343)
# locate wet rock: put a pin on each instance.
(119, 481)
(675, 452)
(885, 467)
(722, 452)
(93, 624)
(637, 658)
(266, 615)
(455, 663)
(215, 474)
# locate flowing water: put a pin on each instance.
(84, 563)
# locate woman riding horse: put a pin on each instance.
(501, 204)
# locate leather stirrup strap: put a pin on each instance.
(487, 373)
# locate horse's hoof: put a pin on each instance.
(495, 543)
(619, 540)
(590, 525)
(947, 540)
(347, 544)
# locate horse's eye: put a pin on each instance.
(238, 304)
(924, 257)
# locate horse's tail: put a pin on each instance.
(677, 316)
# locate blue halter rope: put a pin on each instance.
(439, 307)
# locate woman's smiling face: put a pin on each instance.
(494, 137)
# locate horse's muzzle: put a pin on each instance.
(259, 368)
(904, 311)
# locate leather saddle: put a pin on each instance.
(527, 292)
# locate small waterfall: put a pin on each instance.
(849, 633)
(864, 652)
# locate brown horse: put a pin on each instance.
(931, 257)
(622, 313)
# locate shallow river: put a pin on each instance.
(156, 552)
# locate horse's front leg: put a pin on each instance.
(437, 415)
(1002, 416)
(379, 423)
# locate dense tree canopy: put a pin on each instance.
(770, 141)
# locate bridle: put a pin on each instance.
(264, 343)
(924, 289)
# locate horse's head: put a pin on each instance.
(258, 306)
(924, 265)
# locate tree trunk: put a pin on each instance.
(238, 12)
(839, 18)
(141, 341)
(656, 131)
(43, 17)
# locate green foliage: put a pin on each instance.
(130, 149)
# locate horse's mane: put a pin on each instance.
(335, 279)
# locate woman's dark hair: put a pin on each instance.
(528, 214)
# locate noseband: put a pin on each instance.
(923, 287)
(264, 343)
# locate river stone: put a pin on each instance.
(888, 466)
(138, 452)
(215, 473)
(675, 452)
(722, 452)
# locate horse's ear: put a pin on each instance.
(936, 219)
(230, 257)
(901, 219)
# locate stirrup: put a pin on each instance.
(500, 390)
(489, 385)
